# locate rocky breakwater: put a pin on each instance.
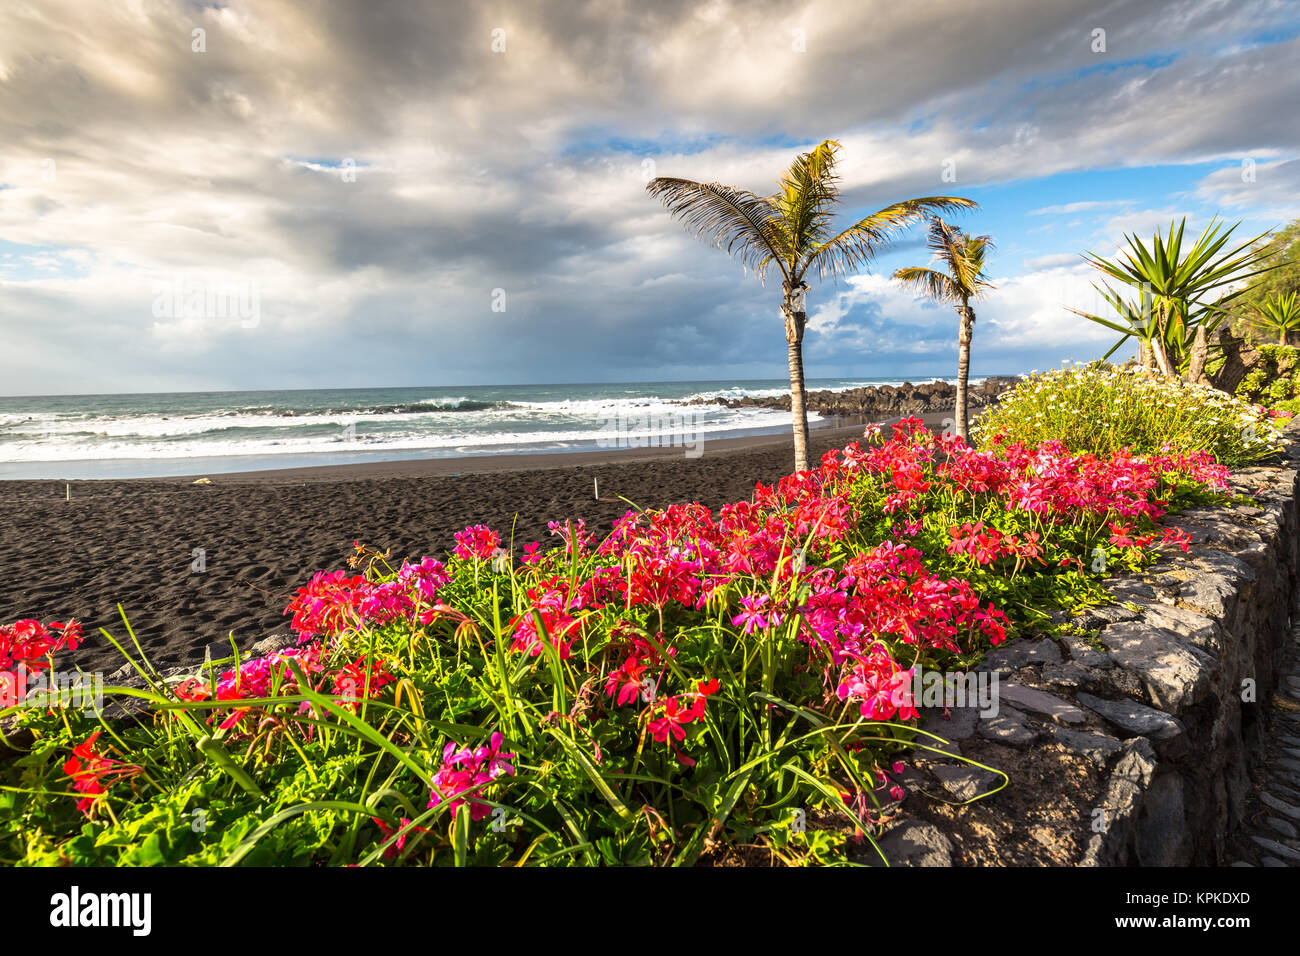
(879, 401)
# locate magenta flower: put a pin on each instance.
(464, 769)
(755, 616)
(497, 762)
(477, 541)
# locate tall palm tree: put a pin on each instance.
(1280, 314)
(962, 279)
(791, 231)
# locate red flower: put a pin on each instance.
(395, 850)
(1120, 534)
(478, 542)
(360, 679)
(329, 603)
(92, 773)
(1177, 537)
(676, 715)
(625, 682)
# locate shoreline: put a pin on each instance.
(850, 426)
(451, 450)
(517, 462)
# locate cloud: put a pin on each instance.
(1025, 323)
(1051, 260)
(376, 171)
(1254, 185)
(1071, 208)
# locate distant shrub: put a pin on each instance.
(1275, 382)
(1101, 410)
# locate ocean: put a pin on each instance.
(187, 433)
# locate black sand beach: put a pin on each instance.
(265, 533)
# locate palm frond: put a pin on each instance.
(962, 257)
(928, 282)
(1280, 313)
(856, 246)
(1180, 282)
(1135, 319)
(966, 264)
(806, 199)
(735, 220)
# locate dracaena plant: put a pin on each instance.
(1178, 290)
(959, 279)
(792, 232)
(1132, 319)
(1280, 314)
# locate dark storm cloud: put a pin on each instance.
(377, 171)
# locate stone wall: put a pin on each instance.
(1189, 673)
(1133, 743)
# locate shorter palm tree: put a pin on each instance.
(961, 280)
(1280, 314)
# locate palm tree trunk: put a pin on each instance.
(963, 368)
(1158, 342)
(1197, 357)
(1162, 358)
(794, 322)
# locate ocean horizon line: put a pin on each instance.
(218, 390)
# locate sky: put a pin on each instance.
(404, 193)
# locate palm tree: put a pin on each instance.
(791, 230)
(962, 257)
(1280, 314)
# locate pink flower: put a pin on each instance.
(497, 762)
(464, 769)
(753, 618)
(476, 542)
(425, 578)
(882, 688)
(624, 684)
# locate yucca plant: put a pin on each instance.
(792, 231)
(1178, 291)
(1280, 314)
(962, 257)
(1133, 318)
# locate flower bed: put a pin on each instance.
(688, 686)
